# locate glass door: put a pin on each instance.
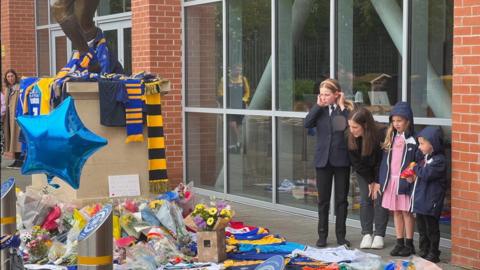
(119, 40)
(60, 50)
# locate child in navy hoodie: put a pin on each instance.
(429, 191)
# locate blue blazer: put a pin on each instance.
(331, 140)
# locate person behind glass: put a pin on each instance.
(329, 117)
(399, 151)
(364, 148)
(238, 98)
(11, 130)
(429, 191)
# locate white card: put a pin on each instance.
(123, 185)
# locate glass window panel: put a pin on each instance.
(369, 52)
(127, 50)
(303, 52)
(112, 40)
(296, 183)
(60, 52)
(431, 58)
(204, 56)
(205, 150)
(249, 54)
(43, 53)
(107, 7)
(42, 12)
(250, 156)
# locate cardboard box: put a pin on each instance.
(211, 246)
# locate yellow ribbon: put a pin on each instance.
(7, 220)
(100, 260)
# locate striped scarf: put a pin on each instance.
(133, 111)
(157, 162)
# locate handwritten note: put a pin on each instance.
(123, 185)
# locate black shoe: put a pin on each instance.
(15, 165)
(432, 257)
(396, 250)
(406, 251)
(342, 242)
(321, 243)
(422, 253)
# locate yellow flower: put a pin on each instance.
(212, 211)
(200, 206)
(210, 221)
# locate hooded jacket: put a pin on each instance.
(430, 185)
(400, 109)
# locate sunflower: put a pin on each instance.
(210, 221)
(212, 211)
(200, 206)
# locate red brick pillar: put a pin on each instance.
(157, 48)
(18, 36)
(465, 135)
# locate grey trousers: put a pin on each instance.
(371, 211)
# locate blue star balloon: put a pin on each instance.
(58, 144)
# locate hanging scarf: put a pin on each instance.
(157, 162)
(133, 111)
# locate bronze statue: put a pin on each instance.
(76, 20)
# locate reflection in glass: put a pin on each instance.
(250, 157)
(112, 40)
(107, 7)
(204, 57)
(431, 58)
(60, 52)
(127, 50)
(303, 52)
(41, 12)
(249, 55)
(369, 52)
(296, 184)
(204, 147)
(43, 53)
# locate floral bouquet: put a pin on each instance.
(212, 218)
(37, 244)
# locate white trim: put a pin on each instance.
(405, 54)
(184, 113)
(224, 75)
(45, 26)
(333, 42)
(432, 121)
(113, 17)
(199, 2)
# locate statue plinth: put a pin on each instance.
(116, 158)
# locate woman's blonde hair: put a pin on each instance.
(334, 87)
(387, 143)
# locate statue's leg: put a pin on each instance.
(84, 12)
(63, 10)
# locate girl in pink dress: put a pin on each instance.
(400, 148)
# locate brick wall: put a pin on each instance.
(18, 36)
(465, 135)
(157, 48)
